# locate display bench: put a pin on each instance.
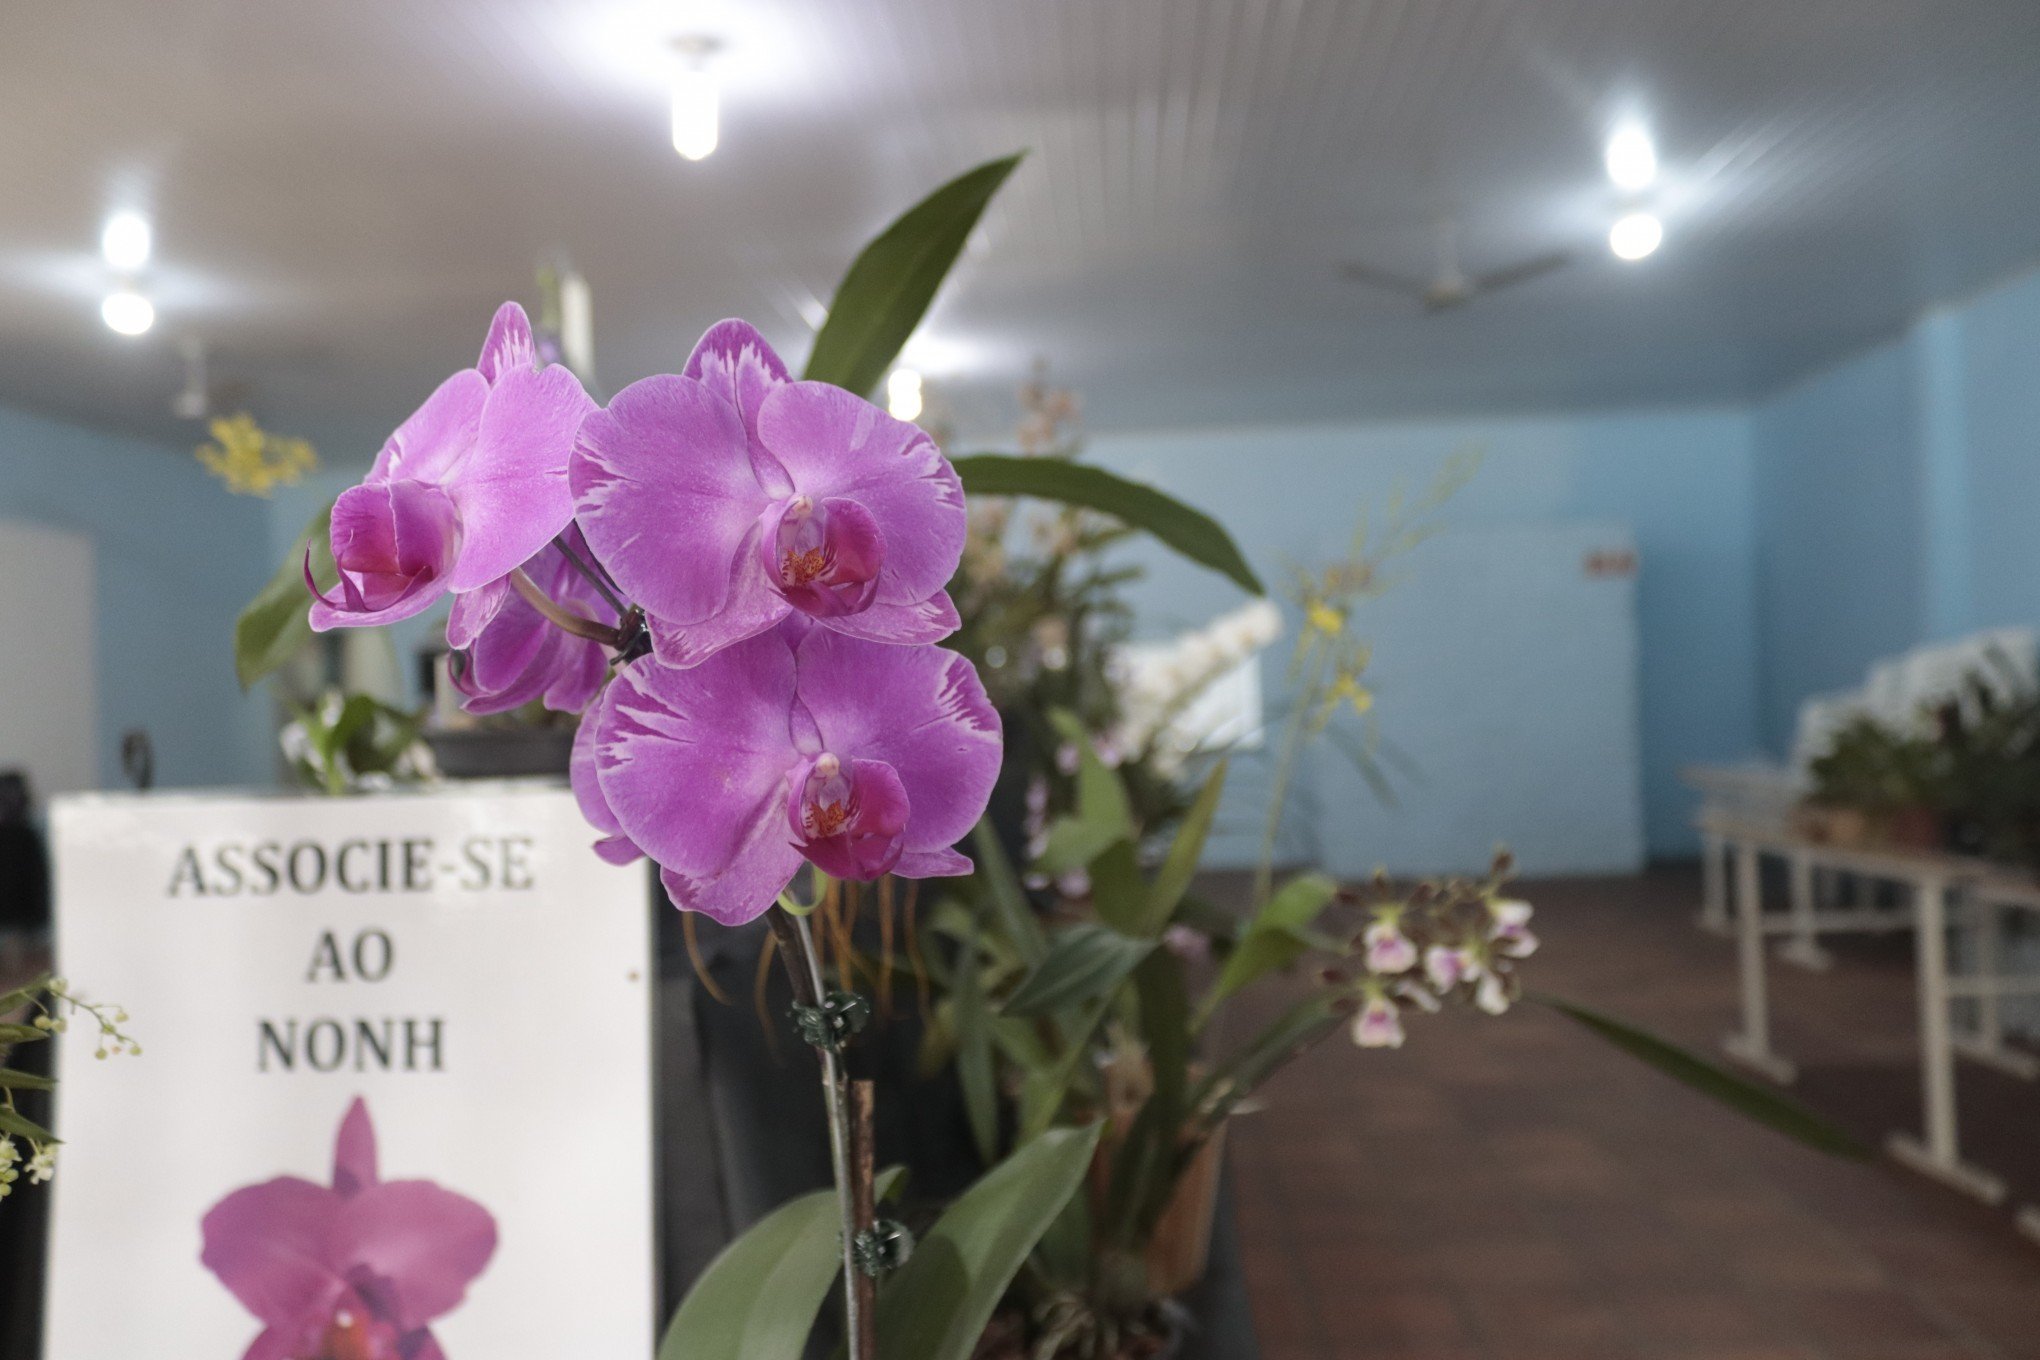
(1941, 892)
(395, 1084)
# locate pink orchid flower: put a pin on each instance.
(728, 497)
(804, 744)
(470, 487)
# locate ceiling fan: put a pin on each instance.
(1451, 286)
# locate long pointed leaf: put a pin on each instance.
(1084, 962)
(1765, 1106)
(936, 1306)
(759, 1298)
(892, 281)
(1178, 866)
(272, 627)
(1189, 531)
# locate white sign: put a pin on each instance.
(394, 1096)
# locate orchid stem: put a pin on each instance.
(853, 1173)
(590, 574)
(563, 618)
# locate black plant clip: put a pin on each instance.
(832, 1025)
(882, 1248)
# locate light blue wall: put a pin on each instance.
(1841, 557)
(1682, 481)
(1899, 498)
(176, 558)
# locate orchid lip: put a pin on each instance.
(822, 556)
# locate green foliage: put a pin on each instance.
(1173, 879)
(1275, 936)
(347, 738)
(275, 625)
(936, 1306)
(1765, 1106)
(892, 281)
(758, 1299)
(1084, 962)
(1877, 770)
(1194, 534)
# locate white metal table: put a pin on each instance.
(1940, 886)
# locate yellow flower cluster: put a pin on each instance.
(250, 460)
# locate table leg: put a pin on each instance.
(1713, 883)
(1752, 1046)
(1804, 946)
(1938, 1154)
(1984, 1042)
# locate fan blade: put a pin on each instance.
(1520, 273)
(1387, 279)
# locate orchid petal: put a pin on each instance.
(422, 1243)
(664, 491)
(274, 1246)
(921, 710)
(354, 1152)
(930, 620)
(615, 847)
(509, 348)
(512, 490)
(944, 863)
(394, 544)
(693, 766)
(751, 608)
(833, 443)
(439, 435)
(733, 360)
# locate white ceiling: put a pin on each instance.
(342, 192)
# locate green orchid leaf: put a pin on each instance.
(1745, 1097)
(1187, 530)
(974, 1069)
(936, 1306)
(759, 1298)
(1084, 962)
(1008, 897)
(1275, 936)
(12, 1079)
(276, 624)
(21, 1126)
(892, 281)
(1180, 864)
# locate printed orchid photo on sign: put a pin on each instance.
(355, 1269)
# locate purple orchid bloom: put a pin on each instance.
(802, 744)
(728, 497)
(614, 846)
(356, 1271)
(470, 487)
(513, 654)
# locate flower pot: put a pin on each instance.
(501, 752)
(1844, 826)
(1914, 828)
(1180, 1249)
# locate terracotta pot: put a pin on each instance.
(1831, 825)
(1914, 828)
(1180, 1247)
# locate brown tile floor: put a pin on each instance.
(1513, 1189)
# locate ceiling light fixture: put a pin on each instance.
(1635, 235)
(697, 97)
(903, 394)
(1631, 158)
(128, 312)
(125, 241)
